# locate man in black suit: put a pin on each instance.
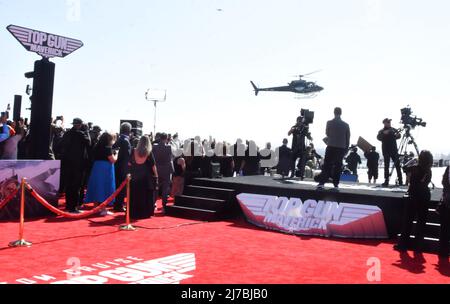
(163, 158)
(75, 145)
(284, 154)
(121, 166)
(338, 141)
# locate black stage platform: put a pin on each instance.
(267, 183)
(222, 192)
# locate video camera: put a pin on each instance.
(308, 116)
(410, 120)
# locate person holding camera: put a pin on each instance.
(388, 137)
(102, 181)
(75, 146)
(444, 212)
(338, 141)
(300, 133)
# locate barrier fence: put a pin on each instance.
(25, 186)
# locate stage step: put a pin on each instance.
(433, 216)
(200, 202)
(209, 192)
(193, 213)
(205, 203)
(430, 245)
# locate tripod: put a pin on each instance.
(406, 141)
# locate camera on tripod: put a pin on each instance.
(308, 116)
(410, 120)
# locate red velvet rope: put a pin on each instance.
(9, 198)
(59, 212)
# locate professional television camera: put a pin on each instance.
(301, 129)
(308, 116)
(411, 121)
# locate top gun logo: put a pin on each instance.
(311, 217)
(131, 270)
(45, 44)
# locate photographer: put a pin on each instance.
(389, 136)
(300, 133)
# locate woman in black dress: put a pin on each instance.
(418, 203)
(144, 180)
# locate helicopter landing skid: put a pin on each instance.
(310, 96)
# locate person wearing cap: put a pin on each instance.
(75, 146)
(388, 137)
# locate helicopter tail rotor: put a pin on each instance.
(255, 88)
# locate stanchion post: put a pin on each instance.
(21, 242)
(128, 226)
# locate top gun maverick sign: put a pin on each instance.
(45, 44)
(48, 46)
(311, 217)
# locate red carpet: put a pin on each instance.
(225, 252)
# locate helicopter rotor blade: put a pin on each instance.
(315, 72)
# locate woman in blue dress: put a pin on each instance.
(102, 183)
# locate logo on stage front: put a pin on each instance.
(45, 44)
(130, 270)
(311, 217)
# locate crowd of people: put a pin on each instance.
(94, 163)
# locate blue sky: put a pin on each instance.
(377, 56)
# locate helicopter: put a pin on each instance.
(300, 86)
